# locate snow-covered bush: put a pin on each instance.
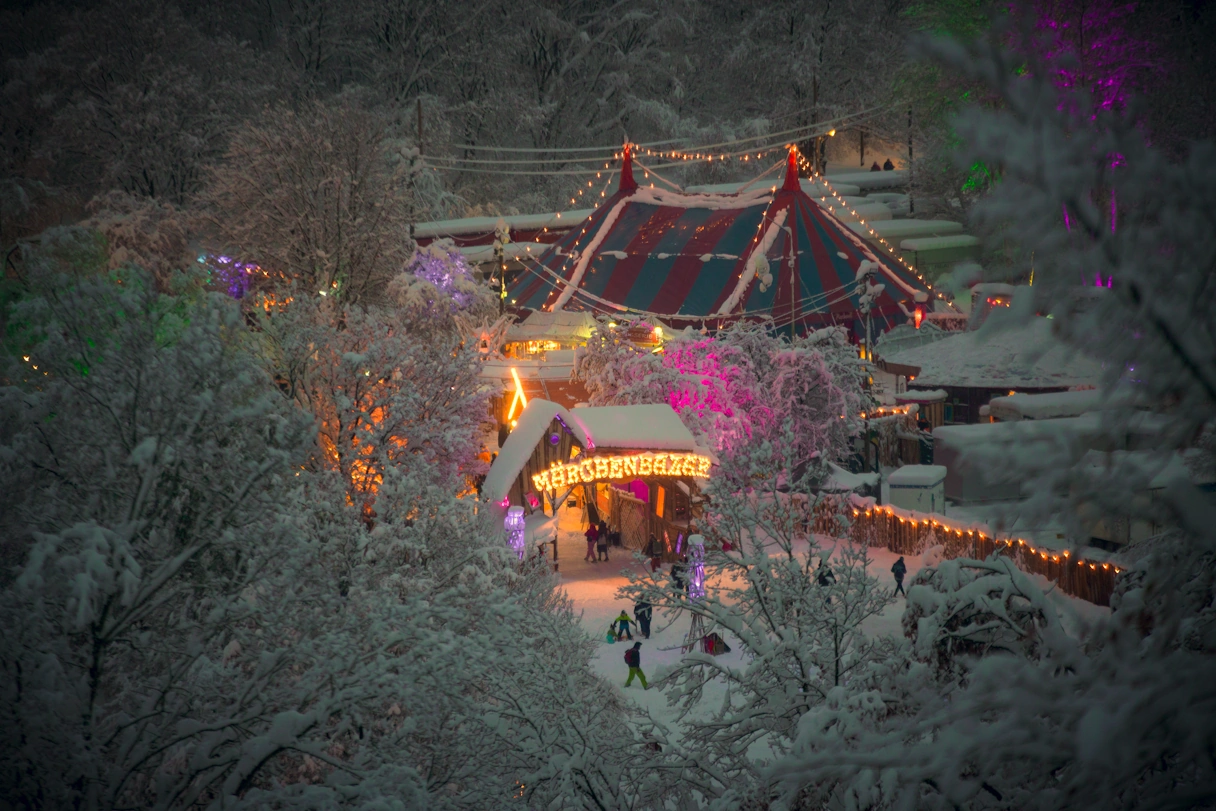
(963, 609)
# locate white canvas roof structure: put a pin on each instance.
(1026, 356)
(917, 476)
(640, 427)
(552, 326)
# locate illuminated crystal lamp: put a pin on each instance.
(514, 526)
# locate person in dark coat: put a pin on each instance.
(653, 552)
(592, 535)
(825, 575)
(633, 658)
(887, 165)
(641, 613)
(601, 543)
(875, 167)
(677, 576)
(899, 570)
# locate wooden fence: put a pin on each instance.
(910, 533)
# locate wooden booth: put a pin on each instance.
(637, 468)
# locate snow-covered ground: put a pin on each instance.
(593, 588)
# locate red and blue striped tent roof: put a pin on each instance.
(686, 258)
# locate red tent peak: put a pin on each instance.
(791, 172)
(627, 184)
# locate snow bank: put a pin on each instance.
(1045, 406)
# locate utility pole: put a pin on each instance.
(911, 204)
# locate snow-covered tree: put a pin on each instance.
(196, 618)
(1118, 718)
(384, 393)
(320, 196)
(739, 386)
(799, 625)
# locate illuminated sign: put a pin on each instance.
(610, 468)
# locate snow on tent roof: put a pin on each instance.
(515, 452)
(1026, 356)
(917, 476)
(699, 257)
(641, 427)
(540, 325)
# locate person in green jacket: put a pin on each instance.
(633, 658)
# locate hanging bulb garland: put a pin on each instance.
(817, 177)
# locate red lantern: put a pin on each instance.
(918, 315)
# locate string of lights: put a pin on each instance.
(1043, 553)
(893, 254)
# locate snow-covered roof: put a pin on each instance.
(645, 427)
(809, 186)
(1026, 356)
(930, 396)
(910, 229)
(557, 365)
(1045, 406)
(555, 326)
(529, 429)
(478, 225)
(939, 243)
(889, 179)
(477, 254)
(917, 476)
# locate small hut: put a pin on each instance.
(637, 467)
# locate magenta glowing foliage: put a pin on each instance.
(1090, 48)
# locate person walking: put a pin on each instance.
(592, 535)
(899, 570)
(652, 552)
(677, 575)
(601, 543)
(622, 630)
(633, 658)
(887, 165)
(875, 167)
(642, 612)
(826, 578)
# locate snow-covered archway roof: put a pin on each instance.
(530, 428)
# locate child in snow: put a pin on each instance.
(633, 658)
(601, 543)
(623, 622)
(592, 534)
(899, 570)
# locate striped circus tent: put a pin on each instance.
(705, 259)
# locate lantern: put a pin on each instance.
(918, 316)
(514, 526)
(696, 580)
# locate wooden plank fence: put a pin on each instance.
(906, 532)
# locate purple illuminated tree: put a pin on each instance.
(437, 280)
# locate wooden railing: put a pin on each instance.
(906, 532)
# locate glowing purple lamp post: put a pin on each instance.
(696, 580)
(514, 525)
